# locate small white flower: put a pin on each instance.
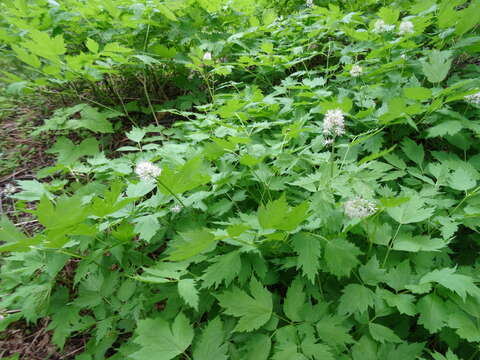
(333, 123)
(356, 70)
(406, 27)
(380, 26)
(327, 141)
(359, 208)
(9, 189)
(207, 56)
(474, 98)
(403, 57)
(176, 209)
(309, 3)
(147, 171)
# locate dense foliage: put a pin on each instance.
(317, 196)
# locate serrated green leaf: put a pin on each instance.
(341, 257)
(191, 243)
(161, 339)
(224, 269)
(437, 67)
(433, 312)
(308, 250)
(188, 292)
(462, 180)
(411, 211)
(187, 177)
(295, 300)
(356, 298)
(252, 310)
(210, 344)
(383, 334)
(458, 283)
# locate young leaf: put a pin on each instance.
(160, 339)
(253, 310)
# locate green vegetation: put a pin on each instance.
(248, 179)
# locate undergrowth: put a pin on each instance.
(249, 179)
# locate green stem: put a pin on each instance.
(171, 193)
(391, 245)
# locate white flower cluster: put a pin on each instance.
(147, 171)
(176, 209)
(334, 123)
(474, 98)
(309, 3)
(207, 56)
(9, 189)
(406, 27)
(356, 70)
(359, 208)
(380, 26)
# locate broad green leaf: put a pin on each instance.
(315, 350)
(278, 215)
(188, 292)
(331, 331)
(450, 127)
(383, 334)
(295, 300)
(465, 326)
(258, 347)
(9, 232)
(252, 310)
(341, 257)
(407, 242)
(371, 273)
(187, 177)
(411, 211)
(403, 302)
(147, 226)
(68, 152)
(161, 339)
(437, 67)
(308, 249)
(458, 283)
(417, 93)
(433, 313)
(413, 151)
(224, 269)
(210, 344)
(356, 298)
(462, 180)
(191, 243)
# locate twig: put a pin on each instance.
(72, 352)
(12, 175)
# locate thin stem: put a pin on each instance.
(391, 245)
(171, 192)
